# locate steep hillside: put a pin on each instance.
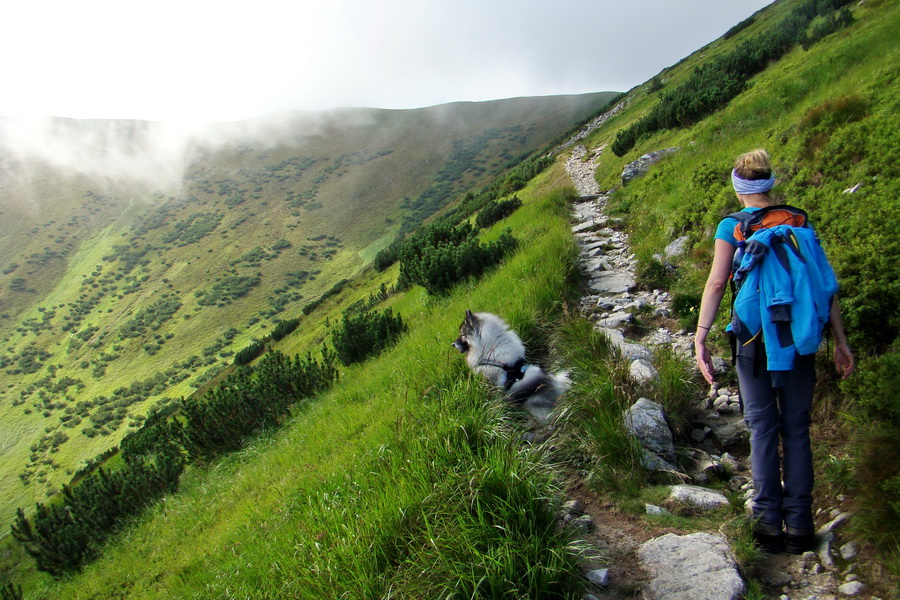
(405, 479)
(137, 259)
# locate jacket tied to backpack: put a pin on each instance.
(785, 287)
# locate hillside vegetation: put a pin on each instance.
(407, 477)
(136, 268)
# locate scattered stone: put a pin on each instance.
(583, 523)
(849, 551)
(836, 522)
(698, 497)
(646, 421)
(824, 550)
(677, 247)
(599, 577)
(851, 588)
(698, 435)
(652, 509)
(573, 507)
(642, 371)
(698, 566)
(731, 463)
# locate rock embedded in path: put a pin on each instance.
(642, 371)
(647, 422)
(699, 566)
(612, 282)
(699, 497)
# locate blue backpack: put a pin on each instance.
(783, 284)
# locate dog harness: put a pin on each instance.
(514, 373)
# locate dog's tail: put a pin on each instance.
(562, 380)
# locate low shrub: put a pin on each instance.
(366, 334)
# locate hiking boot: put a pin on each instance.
(798, 541)
(768, 537)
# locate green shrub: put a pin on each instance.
(497, 211)
(283, 329)
(366, 334)
(686, 308)
(249, 353)
(874, 386)
(446, 255)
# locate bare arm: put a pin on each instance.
(716, 284)
(843, 358)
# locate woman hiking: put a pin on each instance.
(776, 404)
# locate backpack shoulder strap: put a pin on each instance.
(768, 216)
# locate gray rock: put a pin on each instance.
(599, 577)
(699, 497)
(583, 523)
(642, 165)
(849, 551)
(698, 566)
(642, 371)
(652, 462)
(616, 320)
(698, 435)
(836, 522)
(629, 350)
(730, 433)
(677, 247)
(652, 509)
(732, 463)
(612, 282)
(660, 337)
(646, 421)
(851, 588)
(824, 550)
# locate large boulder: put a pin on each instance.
(642, 165)
(699, 566)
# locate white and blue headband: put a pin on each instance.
(751, 186)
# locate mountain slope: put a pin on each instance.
(138, 259)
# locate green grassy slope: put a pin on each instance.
(392, 483)
(828, 115)
(324, 507)
(119, 293)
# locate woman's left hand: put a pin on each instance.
(843, 360)
(704, 360)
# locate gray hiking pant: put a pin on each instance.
(779, 412)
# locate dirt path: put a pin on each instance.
(614, 537)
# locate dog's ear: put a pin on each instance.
(471, 320)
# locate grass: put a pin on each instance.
(387, 155)
(406, 480)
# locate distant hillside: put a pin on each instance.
(137, 258)
(405, 479)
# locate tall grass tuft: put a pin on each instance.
(592, 410)
(674, 388)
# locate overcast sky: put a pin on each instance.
(205, 60)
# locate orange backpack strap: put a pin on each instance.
(769, 216)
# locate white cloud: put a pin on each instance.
(206, 60)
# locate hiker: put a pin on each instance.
(776, 403)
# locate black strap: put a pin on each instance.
(514, 372)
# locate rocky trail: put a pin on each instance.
(630, 557)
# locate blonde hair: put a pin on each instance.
(753, 165)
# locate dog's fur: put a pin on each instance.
(495, 351)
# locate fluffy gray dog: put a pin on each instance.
(495, 351)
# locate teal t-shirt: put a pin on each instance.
(725, 230)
